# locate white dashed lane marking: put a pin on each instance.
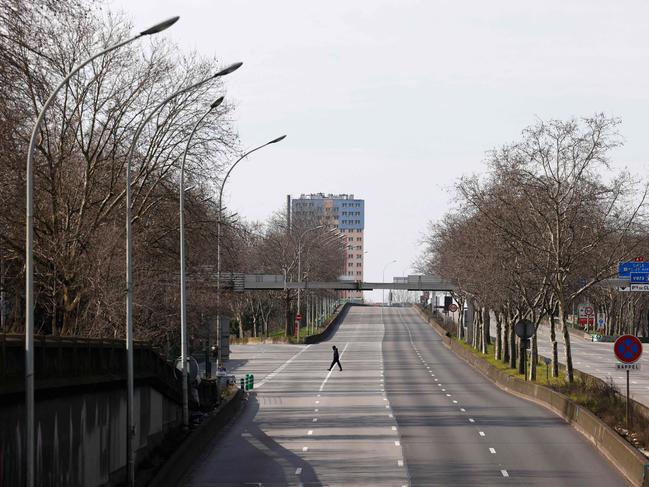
(504, 472)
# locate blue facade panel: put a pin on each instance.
(351, 213)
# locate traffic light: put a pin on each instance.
(448, 300)
(214, 352)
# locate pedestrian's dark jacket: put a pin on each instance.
(335, 354)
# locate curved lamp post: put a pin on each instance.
(29, 244)
(218, 246)
(130, 433)
(183, 296)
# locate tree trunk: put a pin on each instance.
(507, 331)
(512, 346)
(486, 329)
(555, 346)
(570, 376)
(288, 329)
(499, 340)
(535, 357)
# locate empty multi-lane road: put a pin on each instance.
(404, 411)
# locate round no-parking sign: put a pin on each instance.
(452, 307)
(628, 349)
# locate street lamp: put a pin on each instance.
(183, 296)
(299, 269)
(130, 433)
(383, 279)
(29, 244)
(218, 245)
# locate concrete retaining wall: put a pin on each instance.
(197, 443)
(633, 464)
(81, 438)
(332, 326)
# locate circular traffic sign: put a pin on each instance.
(452, 307)
(298, 317)
(628, 349)
(524, 329)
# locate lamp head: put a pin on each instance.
(228, 70)
(278, 139)
(216, 103)
(160, 27)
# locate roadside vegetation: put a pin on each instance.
(540, 232)
(79, 187)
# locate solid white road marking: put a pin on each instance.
(504, 472)
(492, 450)
(281, 367)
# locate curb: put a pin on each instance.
(177, 465)
(630, 462)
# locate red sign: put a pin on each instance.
(298, 317)
(628, 349)
(452, 307)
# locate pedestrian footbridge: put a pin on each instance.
(257, 282)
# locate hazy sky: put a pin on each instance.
(394, 100)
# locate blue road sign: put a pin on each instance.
(625, 269)
(639, 278)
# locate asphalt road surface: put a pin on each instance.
(597, 358)
(404, 411)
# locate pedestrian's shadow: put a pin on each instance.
(248, 456)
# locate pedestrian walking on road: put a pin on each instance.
(336, 359)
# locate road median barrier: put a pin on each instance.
(338, 317)
(626, 458)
